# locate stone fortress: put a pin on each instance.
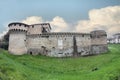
(38, 39)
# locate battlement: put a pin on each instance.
(18, 27)
(60, 34)
(17, 23)
(17, 30)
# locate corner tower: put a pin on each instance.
(17, 38)
(98, 42)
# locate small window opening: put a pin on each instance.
(60, 53)
(32, 26)
(83, 35)
(53, 47)
(30, 53)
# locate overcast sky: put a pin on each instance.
(63, 15)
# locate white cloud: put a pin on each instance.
(59, 24)
(33, 20)
(107, 19)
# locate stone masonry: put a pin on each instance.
(38, 39)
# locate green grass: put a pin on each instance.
(28, 67)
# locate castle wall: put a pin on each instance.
(52, 46)
(83, 44)
(17, 42)
(99, 40)
(37, 39)
(58, 45)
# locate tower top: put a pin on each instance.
(15, 23)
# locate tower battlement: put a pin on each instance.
(18, 27)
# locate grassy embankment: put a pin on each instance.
(28, 67)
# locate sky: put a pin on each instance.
(63, 15)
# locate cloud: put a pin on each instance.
(59, 24)
(107, 19)
(33, 20)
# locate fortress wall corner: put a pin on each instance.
(98, 42)
(17, 38)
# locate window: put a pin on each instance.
(53, 47)
(60, 44)
(60, 53)
(19, 24)
(82, 35)
(32, 26)
(30, 53)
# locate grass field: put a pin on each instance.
(27, 67)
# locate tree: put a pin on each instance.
(4, 43)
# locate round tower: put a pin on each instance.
(17, 38)
(98, 41)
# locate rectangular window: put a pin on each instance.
(32, 26)
(82, 35)
(60, 44)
